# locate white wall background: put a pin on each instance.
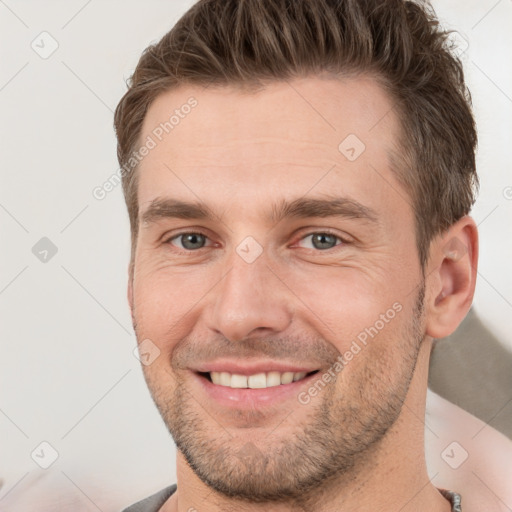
(67, 372)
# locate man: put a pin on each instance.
(298, 178)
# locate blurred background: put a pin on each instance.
(68, 374)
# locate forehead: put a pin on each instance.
(317, 110)
(282, 138)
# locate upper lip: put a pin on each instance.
(246, 368)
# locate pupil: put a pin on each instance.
(324, 241)
(193, 241)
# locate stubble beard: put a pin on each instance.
(335, 434)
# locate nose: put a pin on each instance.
(250, 300)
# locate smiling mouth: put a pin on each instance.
(255, 381)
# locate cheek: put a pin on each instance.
(166, 302)
(348, 303)
(381, 356)
(341, 303)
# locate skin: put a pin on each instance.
(358, 444)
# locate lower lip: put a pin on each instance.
(250, 398)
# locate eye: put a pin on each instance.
(321, 240)
(192, 241)
(188, 241)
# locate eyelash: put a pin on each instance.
(323, 232)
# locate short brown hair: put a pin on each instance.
(400, 43)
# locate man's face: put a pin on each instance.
(254, 287)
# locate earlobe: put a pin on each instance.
(452, 277)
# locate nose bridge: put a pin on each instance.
(249, 297)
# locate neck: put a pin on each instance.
(391, 476)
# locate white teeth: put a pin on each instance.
(225, 379)
(238, 381)
(273, 379)
(256, 381)
(286, 377)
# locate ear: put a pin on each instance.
(451, 277)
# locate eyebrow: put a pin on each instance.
(163, 208)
